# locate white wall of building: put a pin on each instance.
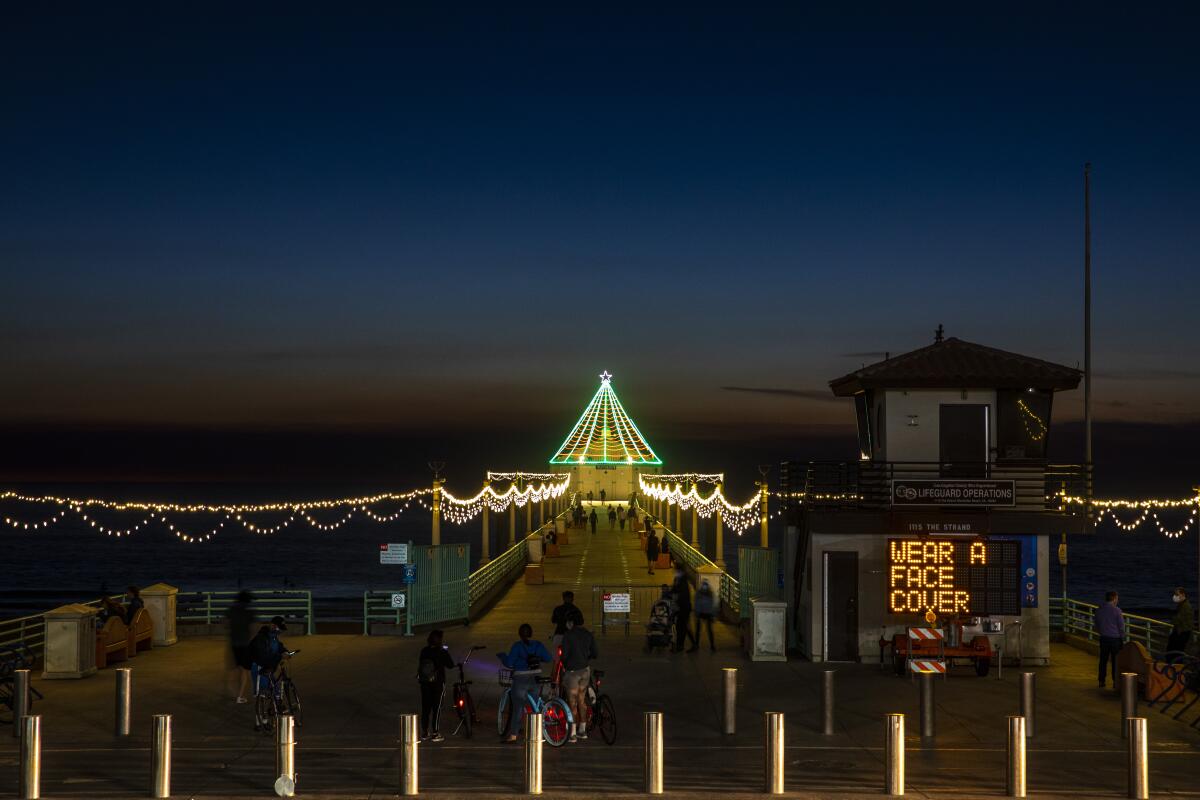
(904, 441)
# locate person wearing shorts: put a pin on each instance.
(578, 648)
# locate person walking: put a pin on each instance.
(432, 664)
(592, 520)
(612, 518)
(525, 659)
(567, 610)
(651, 551)
(706, 607)
(621, 517)
(589, 495)
(1182, 623)
(682, 594)
(239, 623)
(1110, 624)
(602, 495)
(578, 648)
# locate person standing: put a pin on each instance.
(589, 495)
(612, 518)
(561, 614)
(431, 674)
(239, 623)
(592, 520)
(602, 495)
(578, 648)
(1110, 624)
(525, 660)
(1182, 623)
(621, 517)
(682, 594)
(651, 551)
(706, 607)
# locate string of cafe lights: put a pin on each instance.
(524, 476)
(738, 518)
(1037, 433)
(131, 505)
(1148, 510)
(460, 510)
(692, 477)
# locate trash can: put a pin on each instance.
(535, 549)
(70, 648)
(768, 630)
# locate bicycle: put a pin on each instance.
(275, 694)
(16, 657)
(600, 712)
(464, 704)
(556, 715)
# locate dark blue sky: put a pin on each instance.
(450, 220)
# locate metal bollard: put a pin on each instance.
(928, 710)
(29, 782)
(20, 699)
(285, 756)
(729, 713)
(1139, 759)
(160, 756)
(124, 704)
(893, 777)
(827, 703)
(1129, 698)
(774, 754)
(533, 753)
(1016, 757)
(654, 752)
(1028, 698)
(409, 740)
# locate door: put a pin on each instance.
(841, 605)
(963, 440)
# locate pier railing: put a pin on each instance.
(208, 608)
(694, 559)
(495, 576)
(30, 631)
(1075, 618)
(868, 484)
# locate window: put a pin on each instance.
(1022, 423)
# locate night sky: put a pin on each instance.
(445, 224)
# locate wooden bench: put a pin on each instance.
(112, 642)
(141, 632)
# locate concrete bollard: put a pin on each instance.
(160, 756)
(1129, 700)
(29, 779)
(654, 752)
(21, 695)
(410, 738)
(774, 755)
(729, 707)
(285, 756)
(122, 716)
(827, 702)
(1139, 759)
(893, 777)
(1016, 757)
(1028, 701)
(533, 753)
(928, 709)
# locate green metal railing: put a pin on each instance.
(294, 605)
(1077, 618)
(30, 631)
(499, 572)
(377, 607)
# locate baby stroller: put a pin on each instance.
(661, 624)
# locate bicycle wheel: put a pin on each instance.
(504, 712)
(264, 712)
(556, 722)
(604, 717)
(291, 700)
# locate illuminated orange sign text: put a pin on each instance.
(921, 576)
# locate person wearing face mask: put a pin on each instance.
(1182, 623)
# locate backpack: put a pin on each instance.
(261, 652)
(427, 671)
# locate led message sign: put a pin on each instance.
(954, 576)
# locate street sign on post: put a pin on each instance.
(410, 574)
(399, 600)
(393, 553)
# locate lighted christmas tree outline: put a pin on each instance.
(605, 434)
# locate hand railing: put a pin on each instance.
(294, 605)
(1077, 618)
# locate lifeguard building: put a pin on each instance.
(605, 450)
(947, 515)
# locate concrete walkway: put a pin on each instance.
(354, 687)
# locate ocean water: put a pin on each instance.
(72, 561)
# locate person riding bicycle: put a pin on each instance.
(431, 673)
(267, 650)
(525, 659)
(578, 648)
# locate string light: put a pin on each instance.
(1036, 434)
(523, 476)
(739, 518)
(692, 477)
(605, 434)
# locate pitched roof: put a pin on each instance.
(955, 364)
(605, 434)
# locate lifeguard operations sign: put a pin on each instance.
(966, 575)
